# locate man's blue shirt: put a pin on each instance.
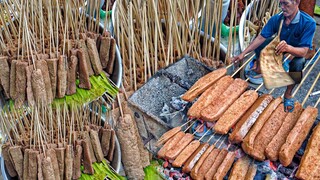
(299, 33)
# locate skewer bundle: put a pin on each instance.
(54, 143)
(258, 16)
(48, 47)
(157, 33)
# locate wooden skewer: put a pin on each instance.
(305, 77)
(310, 90)
(317, 103)
(188, 126)
(205, 133)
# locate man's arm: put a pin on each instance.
(255, 43)
(283, 47)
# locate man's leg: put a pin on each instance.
(295, 71)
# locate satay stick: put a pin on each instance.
(188, 126)
(317, 103)
(243, 65)
(305, 77)
(197, 129)
(205, 133)
(310, 90)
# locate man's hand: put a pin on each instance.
(238, 58)
(282, 47)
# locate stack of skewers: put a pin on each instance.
(53, 143)
(48, 47)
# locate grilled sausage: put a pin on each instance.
(213, 169)
(62, 77)
(225, 166)
(111, 146)
(215, 110)
(104, 51)
(77, 162)
(86, 58)
(235, 111)
(94, 56)
(251, 172)
(176, 150)
(39, 162)
(17, 159)
(53, 156)
(210, 95)
(83, 71)
(30, 96)
(42, 65)
(195, 170)
(5, 76)
(33, 165)
(7, 160)
(13, 79)
(240, 168)
(26, 164)
(168, 135)
(311, 157)
(53, 69)
(297, 135)
(105, 140)
(60, 153)
(268, 131)
(273, 148)
(186, 153)
(96, 145)
(248, 141)
(170, 144)
(206, 165)
(86, 137)
(68, 161)
(193, 159)
(112, 56)
(72, 75)
(249, 118)
(203, 84)
(38, 87)
(48, 172)
(87, 161)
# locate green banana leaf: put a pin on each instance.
(99, 85)
(102, 170)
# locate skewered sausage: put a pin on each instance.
(249, 118)
(248, 141)
(273, 148)
(214, 111)
(210, 95)
(310, 160)
(267, 132)
(213, 169)
(297, 135)
(235, 111)
(195, 169)
(193, 159)
(225, 166)
(169, 144)
(186, 153)
(203, 84)
(240, 168)
(176, 150)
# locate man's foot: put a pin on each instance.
(288, 104)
